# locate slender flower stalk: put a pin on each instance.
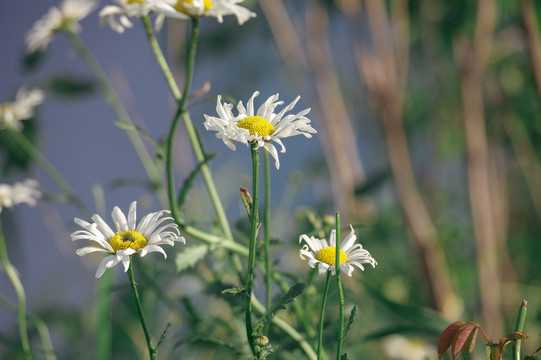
(288, 329)
(152, 351)
(266, 229)
(521, 317)
(58, 179)
(21, 298)
(103, 318)
(197, 146)
(251, 255)
(340, 292)
(322, 315)
(190, 60)
(162, 62)
(113, 100)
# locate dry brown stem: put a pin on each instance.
(473, 63)
(339, 144)
(384, 74)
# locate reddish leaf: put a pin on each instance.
(517, 335)
(470, 343)
(462, 337)
(447, 337)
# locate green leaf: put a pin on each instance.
(350, 321)
(70, 85)
(188, 182)
(281, 302)
(31, 61)
(190, 256)
(286, 298)
(12, 158)
(233, 291)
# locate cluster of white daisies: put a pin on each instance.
(263, 128)
(70, 12)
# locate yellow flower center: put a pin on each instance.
(207, 4)
(136, 1)
(5, 106)
(328, 255)
(127, 240)
(256, 125)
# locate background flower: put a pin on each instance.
(22, 108)
(18, 193)
(67, 15)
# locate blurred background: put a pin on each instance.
(427, 114)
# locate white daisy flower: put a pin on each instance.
(18, 193)
(129, 238)
(117, 16)
(22, 108)
(66, 16)
(186, 9)
(323, 254)
(262, 127)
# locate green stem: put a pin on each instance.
(181, 98)
(151, 350)
(103, 317)
(43, 331)
(19, 290)
(162, 62)
(340, 291)
(286, 328)
(251, 256)
(181, 110)
(37, 156)
(266, 229)
(322, 315)
(519, 327)
(113, 100)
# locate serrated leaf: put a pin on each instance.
(188, 182)
(190, 256)
(286, 298)
(70, 85)
(447, 337)
(233, 291)
(352, 316)
(281, 303)
(461, 337)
